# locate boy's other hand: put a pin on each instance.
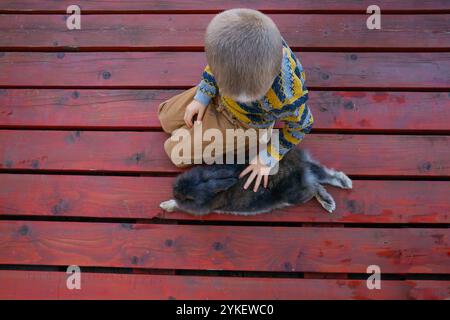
(194, 108)
(258, 170)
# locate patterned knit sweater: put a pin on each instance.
(285, 100)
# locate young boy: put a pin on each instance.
(251, 80)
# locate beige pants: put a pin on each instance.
(171, 115)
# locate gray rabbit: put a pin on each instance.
(217, 188)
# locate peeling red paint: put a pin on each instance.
(380, 97)
(351, 94)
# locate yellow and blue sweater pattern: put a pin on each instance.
(285, 101)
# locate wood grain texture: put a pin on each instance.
(139, 198)
(335, 250)
(198, 5)
(162, 69)
(368, 155)
(52, 285)
(136, 109)
(186, 31)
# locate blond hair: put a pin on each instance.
(244, 51)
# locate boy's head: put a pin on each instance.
(244, 51)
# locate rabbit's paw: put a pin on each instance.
(169, 205)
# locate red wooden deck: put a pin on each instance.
(82, 167)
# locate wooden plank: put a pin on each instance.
(202, 6)
(310, 249)
(139, 198)
(136, 109)
(393, 111)
(186, 31)
(52, 285)
(162, 69)
(47, 108)
(365, 155)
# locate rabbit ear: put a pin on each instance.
(207, 190)
(219, 185)
(223, 173)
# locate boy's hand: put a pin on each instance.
(258, 170)
(194, 108)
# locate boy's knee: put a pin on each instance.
(164, 118)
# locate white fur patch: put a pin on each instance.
(169, 205)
